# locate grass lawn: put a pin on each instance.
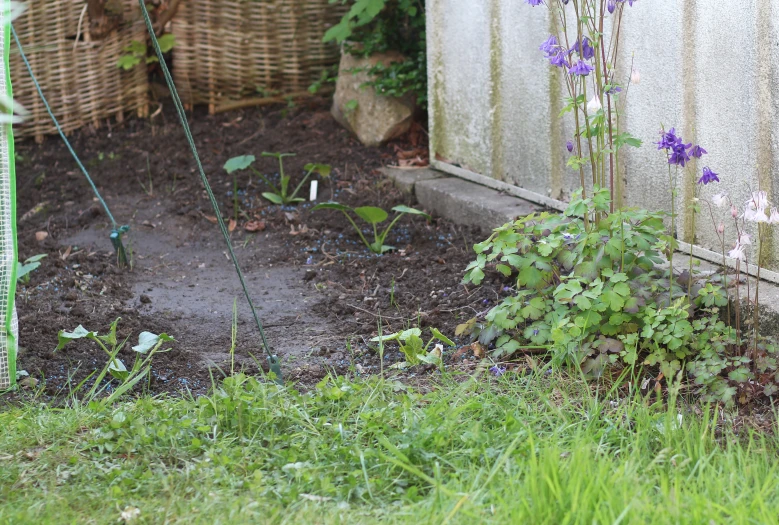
(537, 449)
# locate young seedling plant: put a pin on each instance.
(148, 345)
(23, 271)
(278, 194)
(373, 216)
(413, 347)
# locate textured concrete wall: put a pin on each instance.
(708, 67)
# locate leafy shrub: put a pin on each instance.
(599, 294)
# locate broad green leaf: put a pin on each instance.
(371, 214)
(476, 276)
(323, 169)
(441, 337)
(79, 333)
(331, 206)
(118, 370)
(413, 211)
(274, 198)
(148, 340)
(239, 163)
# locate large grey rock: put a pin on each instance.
(375, 119)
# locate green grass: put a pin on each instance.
(538, 449)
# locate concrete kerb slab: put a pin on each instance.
(405, 179)
(461, 201)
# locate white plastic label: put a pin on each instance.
(314, 189)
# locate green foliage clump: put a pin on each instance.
(378, 26)
(596, 294)
(279, 194)
(373, 216)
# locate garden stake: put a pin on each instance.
(273, 361)
(116, 230)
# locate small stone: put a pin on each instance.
(41, 236)
(145, 299)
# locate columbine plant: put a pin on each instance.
(591, 284)
(587, 60)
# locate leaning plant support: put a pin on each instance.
(373, 216)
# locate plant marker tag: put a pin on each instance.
(314, 189)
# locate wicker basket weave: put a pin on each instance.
(229, 49)
(78, 74)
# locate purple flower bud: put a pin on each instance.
(535, 2)
(708, 176)
(611, 6)
(697, 152)
(569, 145)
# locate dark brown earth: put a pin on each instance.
(320, 293)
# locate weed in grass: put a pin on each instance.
(148, 345)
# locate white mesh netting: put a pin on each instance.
(8, 321)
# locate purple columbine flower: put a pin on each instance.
(668, 139)
(549, 46)
(558, 59)
(679, 155)
(614, 90)
(708, 176)
(498, 371)
(697, 152)
(611, 6)
(581, 68)
(535, 2)
(569, 146)
(585, 50)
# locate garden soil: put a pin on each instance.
(319, 292)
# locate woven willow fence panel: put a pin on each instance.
(78, 74)
(229, 49)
